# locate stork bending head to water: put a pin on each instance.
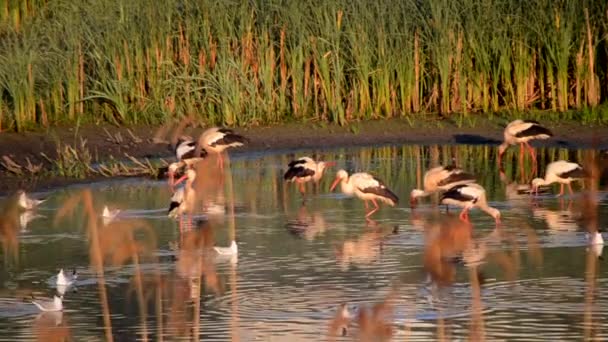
(562, 172)
(305, 169)
(183, 199)
(217, 139)
(187, 155)
(521, 132)
(440, 178)
(365, 187)
(178, 167)
(468, 196)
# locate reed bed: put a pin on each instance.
(261, 62)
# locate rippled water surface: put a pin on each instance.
(416, 274)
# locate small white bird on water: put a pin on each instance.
(66, 279)
(109, 215)
(595, 241)
(232, 250)
(49, 305)
(28, 203)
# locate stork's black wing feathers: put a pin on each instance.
(297, 171)
(457, 177)
(381, 190)
(533, 131)
(579, 172)
(456, 194)
(296, 162)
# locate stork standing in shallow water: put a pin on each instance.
(440, 178)
(468, 196)
(365, 187)
(521, 132)
(216, 140)
(305, 169)
(187, 155)
(562, 172)
(183, 199)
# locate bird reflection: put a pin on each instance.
(365, 249)
(307, 225)
(9, 229)
(564, 219)
(51, 326)
(445, 242)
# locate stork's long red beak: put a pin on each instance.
(333, 185)
(181, 179)
(330, 163)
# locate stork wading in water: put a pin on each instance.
(187, 154)
(304, 170)
(365, 187)
(562, 172)
(468, 196)
(217, 139)
(440, 178)
(183, 199)
(522, 132)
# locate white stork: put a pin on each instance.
(305, 169)
(217, 139)
(441, 179)
(468, 196)
(183, 199)
(562, 172)
(175, 169)
(365, 187)
(521, 132)
(185, 149)
(186, 154)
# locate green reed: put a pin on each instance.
(258, 62)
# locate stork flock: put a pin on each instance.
(457, 187)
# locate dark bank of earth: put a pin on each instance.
(109, 141)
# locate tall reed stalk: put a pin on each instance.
(257, 62)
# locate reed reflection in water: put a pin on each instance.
(410, 274)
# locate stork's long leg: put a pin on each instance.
(302, 189)
(464, 215)
(533, 156)
(521, 162)
(570, 189)
(561, 191)
(373, 210)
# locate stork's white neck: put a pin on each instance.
(346, 186)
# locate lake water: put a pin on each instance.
(411, 274)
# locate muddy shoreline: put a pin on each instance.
(105, 142)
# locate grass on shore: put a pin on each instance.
(258, 62)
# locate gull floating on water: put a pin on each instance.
(66, 279)
(232, 250)
(49, 305)
(109, 215)
(28, 203)
(596, 243)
